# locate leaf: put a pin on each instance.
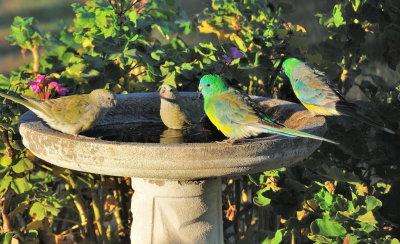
(156, 55)
(276, 239)
(372, 202)
(5, 182)
(5, 161)
(324, 199)
(170, 79)
(326, 227)
(394, 241)
(350, 239)
(356, 4)
(38, 211)
(23, 165)
(20, 185)
(239, 42)
(4, 82)
(368, 218)
(207, 45)
(7, 238)
(342, 204)
(338, 19)
(361, 189)
(260, 200)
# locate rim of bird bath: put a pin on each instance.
(172, 161)
(175, 183)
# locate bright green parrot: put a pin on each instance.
(236, 115)
(318, 95)
(71, 114)
(178, 112)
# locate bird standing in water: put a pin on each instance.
(178, 112)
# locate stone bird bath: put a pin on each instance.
(177, 187)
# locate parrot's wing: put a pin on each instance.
(241, 109)
(263, 118)
(313, 87)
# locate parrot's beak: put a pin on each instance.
(199, 91)
(162, 91)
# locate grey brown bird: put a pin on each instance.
(71, 114)
(178, 112)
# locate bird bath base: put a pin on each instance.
(177, 211)
(177, 186)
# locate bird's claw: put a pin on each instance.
(229, 141)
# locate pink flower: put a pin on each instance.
(54, 84)
(62, 91)
(40, 78)
(34, 85)
(59, 89)
(45, 87)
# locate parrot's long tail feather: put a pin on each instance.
(293, 133)
(354, 114)
(23, 102)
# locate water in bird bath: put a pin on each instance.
(153, 133)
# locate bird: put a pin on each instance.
(315, 91)
(178, 112)
(236, 115)
(71, 114)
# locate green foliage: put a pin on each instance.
(25, 33)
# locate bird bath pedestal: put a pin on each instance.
(177, 187)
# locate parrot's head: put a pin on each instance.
(212, 85)
(105, 98)
(289, 64)
(169, 92)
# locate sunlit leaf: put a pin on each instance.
(20, 185)
(23, 165)
(338, 19)
(327, 227)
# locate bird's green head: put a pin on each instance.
(212, 85)
(289, 64)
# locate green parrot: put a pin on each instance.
(236, 115)
(318, 95)
(71, 114)
(178, 112)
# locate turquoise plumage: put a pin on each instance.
(317, 94)
(236, 115)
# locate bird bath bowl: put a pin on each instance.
(177, 187)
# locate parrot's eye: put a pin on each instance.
(170, 90)
(208, 85)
